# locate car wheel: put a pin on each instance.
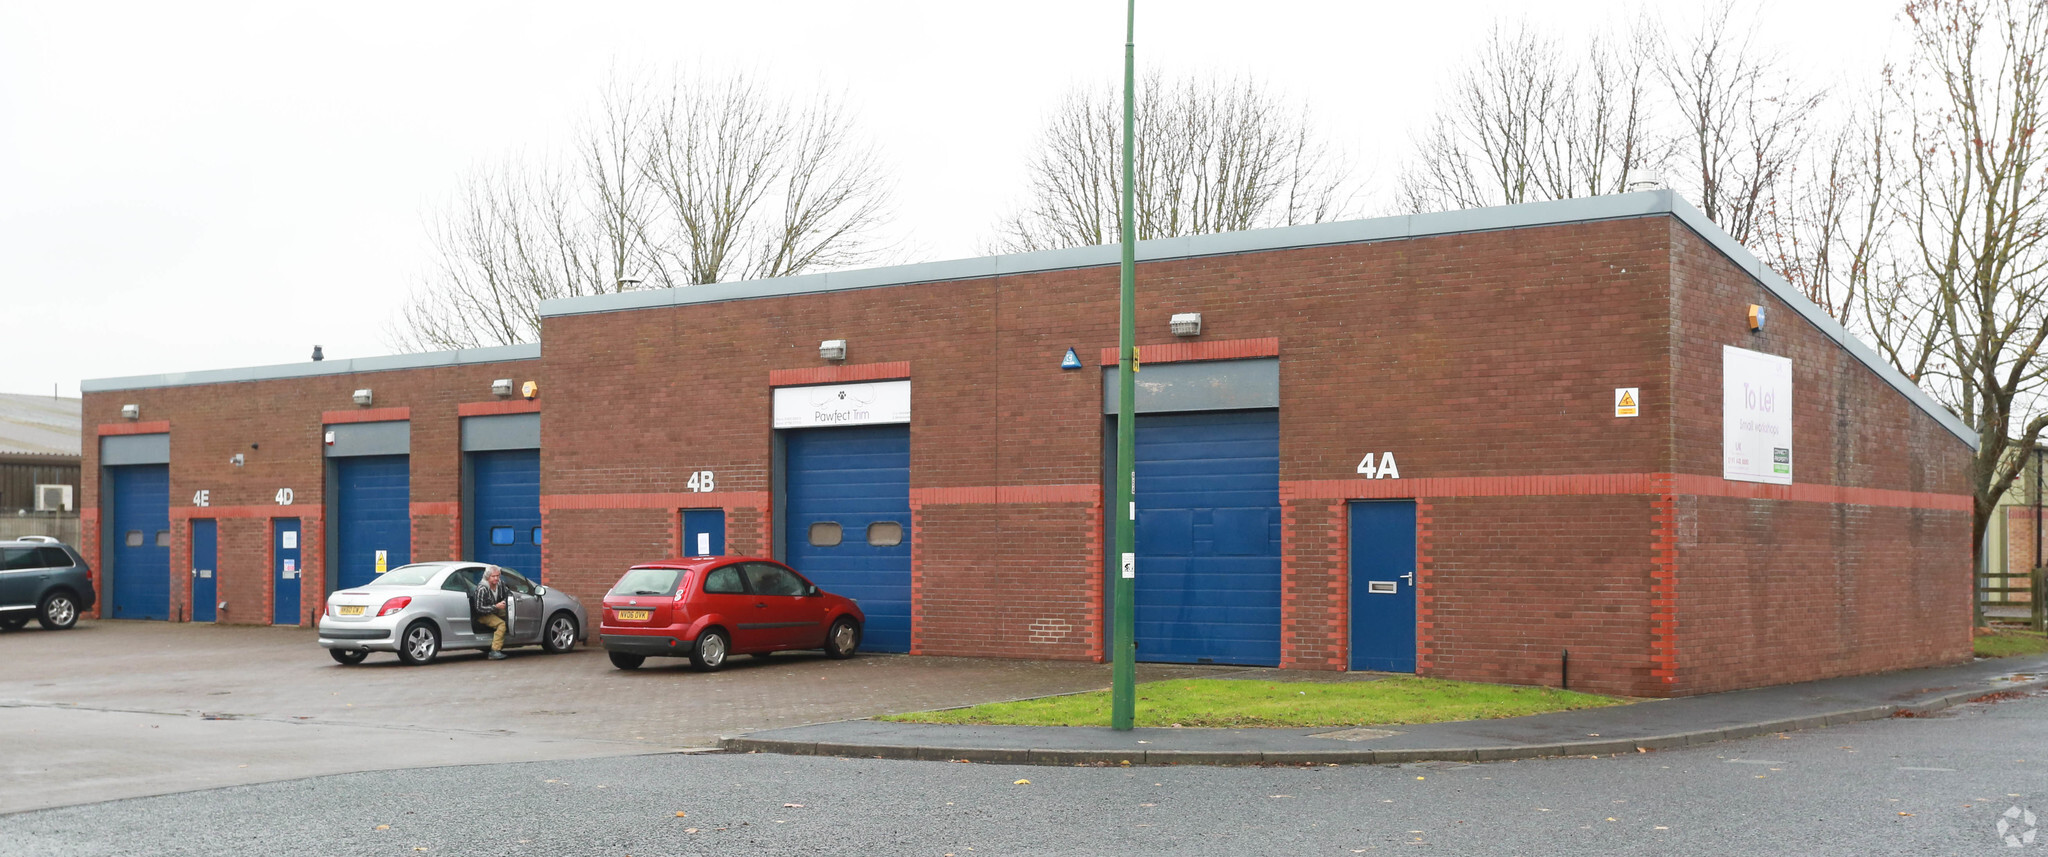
(626, 661)
(348, 657)
(843, 639)
(712, 647)
(561, 634)
(420, 644)
(13, 624)
(59, 611)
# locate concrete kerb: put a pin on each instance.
(1501, 753)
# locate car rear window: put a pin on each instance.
(406, 575)
(649, 581)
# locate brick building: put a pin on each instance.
(1458, 444)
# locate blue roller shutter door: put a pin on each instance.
(1208, 537)
(373, 512)
(854, 478)
(505, 509)
(140, 574)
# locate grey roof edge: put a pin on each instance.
(1819, 318)
(343, 366)
(1549, 213)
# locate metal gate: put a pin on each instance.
(373, 517)
(139, 542)
(847, 521)
(1208, 537)
(505, 509)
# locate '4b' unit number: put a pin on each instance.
(702, 482)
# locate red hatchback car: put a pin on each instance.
(708, 608)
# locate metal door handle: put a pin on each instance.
(1410, 577)
(763, 605)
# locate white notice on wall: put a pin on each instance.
(874, 403)
(290, 539)
(703, 544)
(1756, 416)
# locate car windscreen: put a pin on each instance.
(406, 575)
(649, 581)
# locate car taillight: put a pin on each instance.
(394, 605)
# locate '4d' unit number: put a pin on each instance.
(1383, 469)
(701, 482)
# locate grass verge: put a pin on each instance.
(2010, 643)
(1239, 702)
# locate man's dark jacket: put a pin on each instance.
(483, 600)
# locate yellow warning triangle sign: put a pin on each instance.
(1627, 401)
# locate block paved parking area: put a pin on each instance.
(122, 709)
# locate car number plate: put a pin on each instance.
(635, 615)
(356, 610)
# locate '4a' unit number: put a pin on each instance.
(702, 482)
(1384, 469)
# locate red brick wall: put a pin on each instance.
(1770, 589)
(277, 427)
(1485, 362)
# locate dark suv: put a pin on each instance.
(44, 580)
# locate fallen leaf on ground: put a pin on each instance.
(689, 830)
(792, 806)
(680, 813)
(1021, 783)
(383, 827)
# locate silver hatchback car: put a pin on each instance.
(421, 610)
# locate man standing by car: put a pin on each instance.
(487, 603)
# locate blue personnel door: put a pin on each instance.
(505, 492)
(1208, 537)
(140, 538)
(847, 523)
(373, 514)
(205, 574)
(284, 544)
(703, 532)
(1383, 585)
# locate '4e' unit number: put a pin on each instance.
(702, 482)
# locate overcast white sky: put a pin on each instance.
(205, 184)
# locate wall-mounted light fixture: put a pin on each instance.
(1756, 317)
(1186, 324)
(832, 349)
(131, 412)
(501, 387)
(362, 397)
(236, 460)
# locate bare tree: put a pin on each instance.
(696, 181)
(1828, 226)
(1969, 316)
(1212, 156)
(1525, 121)
(1741, 119)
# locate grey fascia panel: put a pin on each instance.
(1210, 385)
(393, 437)
(500, 431)
(344, 366)
(121, 449)
(1807, 309)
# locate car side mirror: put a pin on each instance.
(540, 590)
(812, 592)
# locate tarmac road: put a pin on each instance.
(1935, 785)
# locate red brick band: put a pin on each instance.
(189, 513)
(366, 415)
(157, 427)
(1182, 352)
(839, 374)
(436, 508)
(1615, 483)
(487, 409)
(714, 499)
(988, 495)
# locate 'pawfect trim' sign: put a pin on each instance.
(875, 403)
(1756, 416)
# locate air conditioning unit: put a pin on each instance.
(53, 498)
